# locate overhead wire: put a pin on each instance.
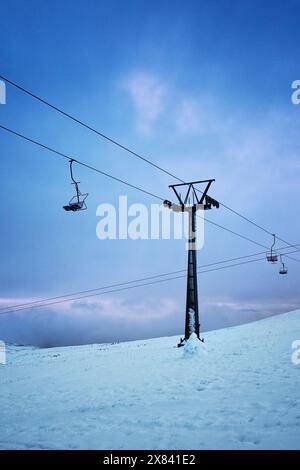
(125, 285)
(68, 157)
(127, 149)
(92, 168)
(121, 289)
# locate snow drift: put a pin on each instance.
(244, 393)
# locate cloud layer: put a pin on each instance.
(111, 320)
(147, 94)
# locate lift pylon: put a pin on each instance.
(193, 200)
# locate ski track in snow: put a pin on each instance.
(243, 392)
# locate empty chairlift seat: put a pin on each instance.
(283, 269)
(77, 203)
(76, 206)
(271, 256)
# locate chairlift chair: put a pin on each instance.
(283, 269)
(272, 257)
(77, 203)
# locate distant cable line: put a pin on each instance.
(248, 239)
(90, 128)
(127, 149)
(68, 157)
(232, 231)
(128, 282)
(94, 292)
(124, 288)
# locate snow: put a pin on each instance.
(243, 394)
(192, 320)
(193, 347)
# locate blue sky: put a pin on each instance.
(202, 88)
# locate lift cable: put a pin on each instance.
(129, 282)
(68, 157)
(94, 292)
(127, 149)
(127, 288)
(90, 128)
(246, 238)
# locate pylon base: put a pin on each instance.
(182, 343)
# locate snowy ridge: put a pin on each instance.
(244, 393)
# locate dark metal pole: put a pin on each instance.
(205, 202)
(192, 324)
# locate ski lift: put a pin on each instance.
(272, 257)
(77, 203)
(283, 269)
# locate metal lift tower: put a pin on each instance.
(194, 200)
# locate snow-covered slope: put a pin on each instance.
(242, 392)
